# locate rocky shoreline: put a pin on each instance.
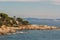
(5, 29)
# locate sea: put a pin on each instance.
(35, 34)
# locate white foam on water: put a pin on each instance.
(21, 32)
(17, 33)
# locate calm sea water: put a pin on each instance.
(35, 34)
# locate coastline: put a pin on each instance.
(5, 29)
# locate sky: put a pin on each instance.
(31, 8)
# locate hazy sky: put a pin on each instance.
(31, 8)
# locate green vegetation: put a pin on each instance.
(11, 21)
(25, 22)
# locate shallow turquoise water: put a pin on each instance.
(34, 35)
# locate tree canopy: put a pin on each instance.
(3, 15)
(25, 23)
(7, 20)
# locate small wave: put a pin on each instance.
(21, 32)
(17, 33)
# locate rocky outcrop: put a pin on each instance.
(5, 29)
(38, 27)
